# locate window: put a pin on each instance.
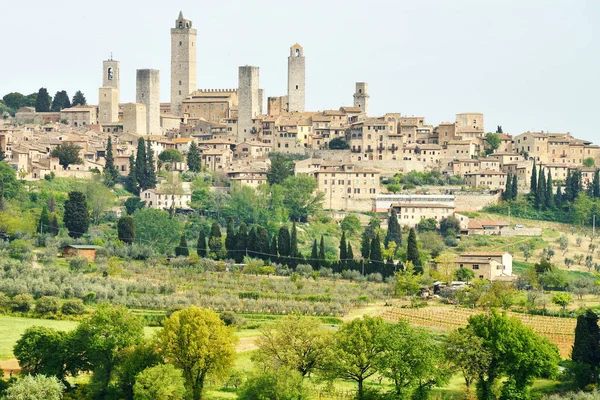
(475, 266)
(296, 87)
(180, 43)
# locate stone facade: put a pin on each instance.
(183, 62)
(79, 116)
(361, 96)
(410, 214)
(277, 105)
(296, 79)
(469, 126)
(134, 118)
(148, 93)
(108, 105)
(111, 74)
(248, 107)
(213, 105)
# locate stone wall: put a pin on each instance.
(521, 232)
(475, 201)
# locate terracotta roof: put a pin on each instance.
(483, 253)
(422, 205)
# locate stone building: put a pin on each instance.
(148, 93)
(469, 126)
(361, 97)
(79, 116)
(108, 94)
(212, 105)
(487, 265)
(296, 79)
(134, 118)
(183, 62)
(410, 214)
(248, 99)
(277, 105)
(495, 180)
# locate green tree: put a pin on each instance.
(375, 254)
(194, 161)
(492, 141)
(215, 242)
(54, 226)
(294, 253)
(343, 248)
(507, 194)
(43, 101)
(427, 225)
(9, 185)
(273, 249)
(534, 177)
(161, 382)
(141, 165)
(549, 192)
(131, 184)
(198, 342)
(464, 274)
(562, 299)
(150, 180)
(77, 216)
(157, 229)
(515, 187)
(182, 250)
(295, 342)
(394, 232)
(262, 242)
(241, 243)
(279, 384)
(110, 171)
(596, 184)
(283, 243)
(132, 361)
(407, 281)
(299, 197)
(132, 204)
(170, 157)
(540, 194)
(355, 351)
(412, 250)
(351, 224)
(35, 388)
(43, 224)
(100, 337)
(67, 154)
(230, 239)
(16, 100)
(201, 246)
(99, 199)
(314, 255)
(449, 226)
(322, 262)
(586, 350)
(78, 99)
(61, 100)
(280, 169)
(338, 144)
(589, 162)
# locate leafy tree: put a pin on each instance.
(170, 157)
(100, 337)
(78, 99)
(563, 242)
(589, 162)
(407, 281)
(132, 204)
(43, 100)
(464, 274)
(294, 252)
(296, 343)
(43, 351)
(67, 154)
(427, 225)
(412, 250)
(132, 361)
(493, 142)
(47, 305)
(110, 171)
(393, 187)
(586, 349)
(99, 199)
(499, 294)
(279, 384)
(16, 100)
(562, 299)
(198, 342)
(156, 228)
(161, 382)
(394, 232)
(35, 388)
(77, 217)
(355, 351)
(43, 224)
(449, 226)
(299, 199)
(280, 169)
(351, 224)
(201, 246)
(182, 249)
(262, 242)
(194, 161)
(9, 185)
(540, 194)
(338, 144)
(61, 100)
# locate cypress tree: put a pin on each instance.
(52, 203)
(322, 252)
(132, 181)
(79, 99)
(273, 250)
(376, 257)
(350, 264)
(241, 242)
(54, 227)
(182, 249)
(412, 250)
(558, 197)
(252, 248)
(262, 242)
(343, 249)
(43, 224)
(294, 246)
(586, 349)
(515, 187)
(61, 100)
(365, 244)
(314, 255)
(140, 165)
(394, 232)
(549, 193)
(230, 239)
(507, 194)
(42, 101)
(77, 216)
(596, 185)
(540, 195)
(110, 172)
(283, 242)
(150, 170)
(201, 246)
(215, 241)
(193, 158)
(534, 177)
(126, 229)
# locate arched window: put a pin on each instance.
(180, 24)
(297, 52)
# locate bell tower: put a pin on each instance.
(108, 95)
(183, 62)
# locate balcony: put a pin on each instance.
(369, 150)
(381, 148)
(356, 150)
(394, 147)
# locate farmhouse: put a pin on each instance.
(492, 266)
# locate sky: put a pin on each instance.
(525, 64)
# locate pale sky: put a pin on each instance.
(525, 64)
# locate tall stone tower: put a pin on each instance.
(248, 100)
(361, 96)
(108, 95)
(148, 94)
(296, 79)
(183, 62)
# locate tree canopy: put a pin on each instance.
(67, 154)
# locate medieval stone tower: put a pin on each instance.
(296, 79)
(108, 96)
(183, 62)
(248, 100)
(148, 94)
(361, 96)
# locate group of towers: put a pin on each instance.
(144, 115)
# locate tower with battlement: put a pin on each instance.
(183, 62)
(361, 96)
(296, 79)
(148, 94)
(108, 94)
(248, 100)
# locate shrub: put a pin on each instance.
(73, 307)
(5, 302)
(47, 305)
(232, 319)
(78, 264)
(20, 249)
(304, 270)
(22, 302)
